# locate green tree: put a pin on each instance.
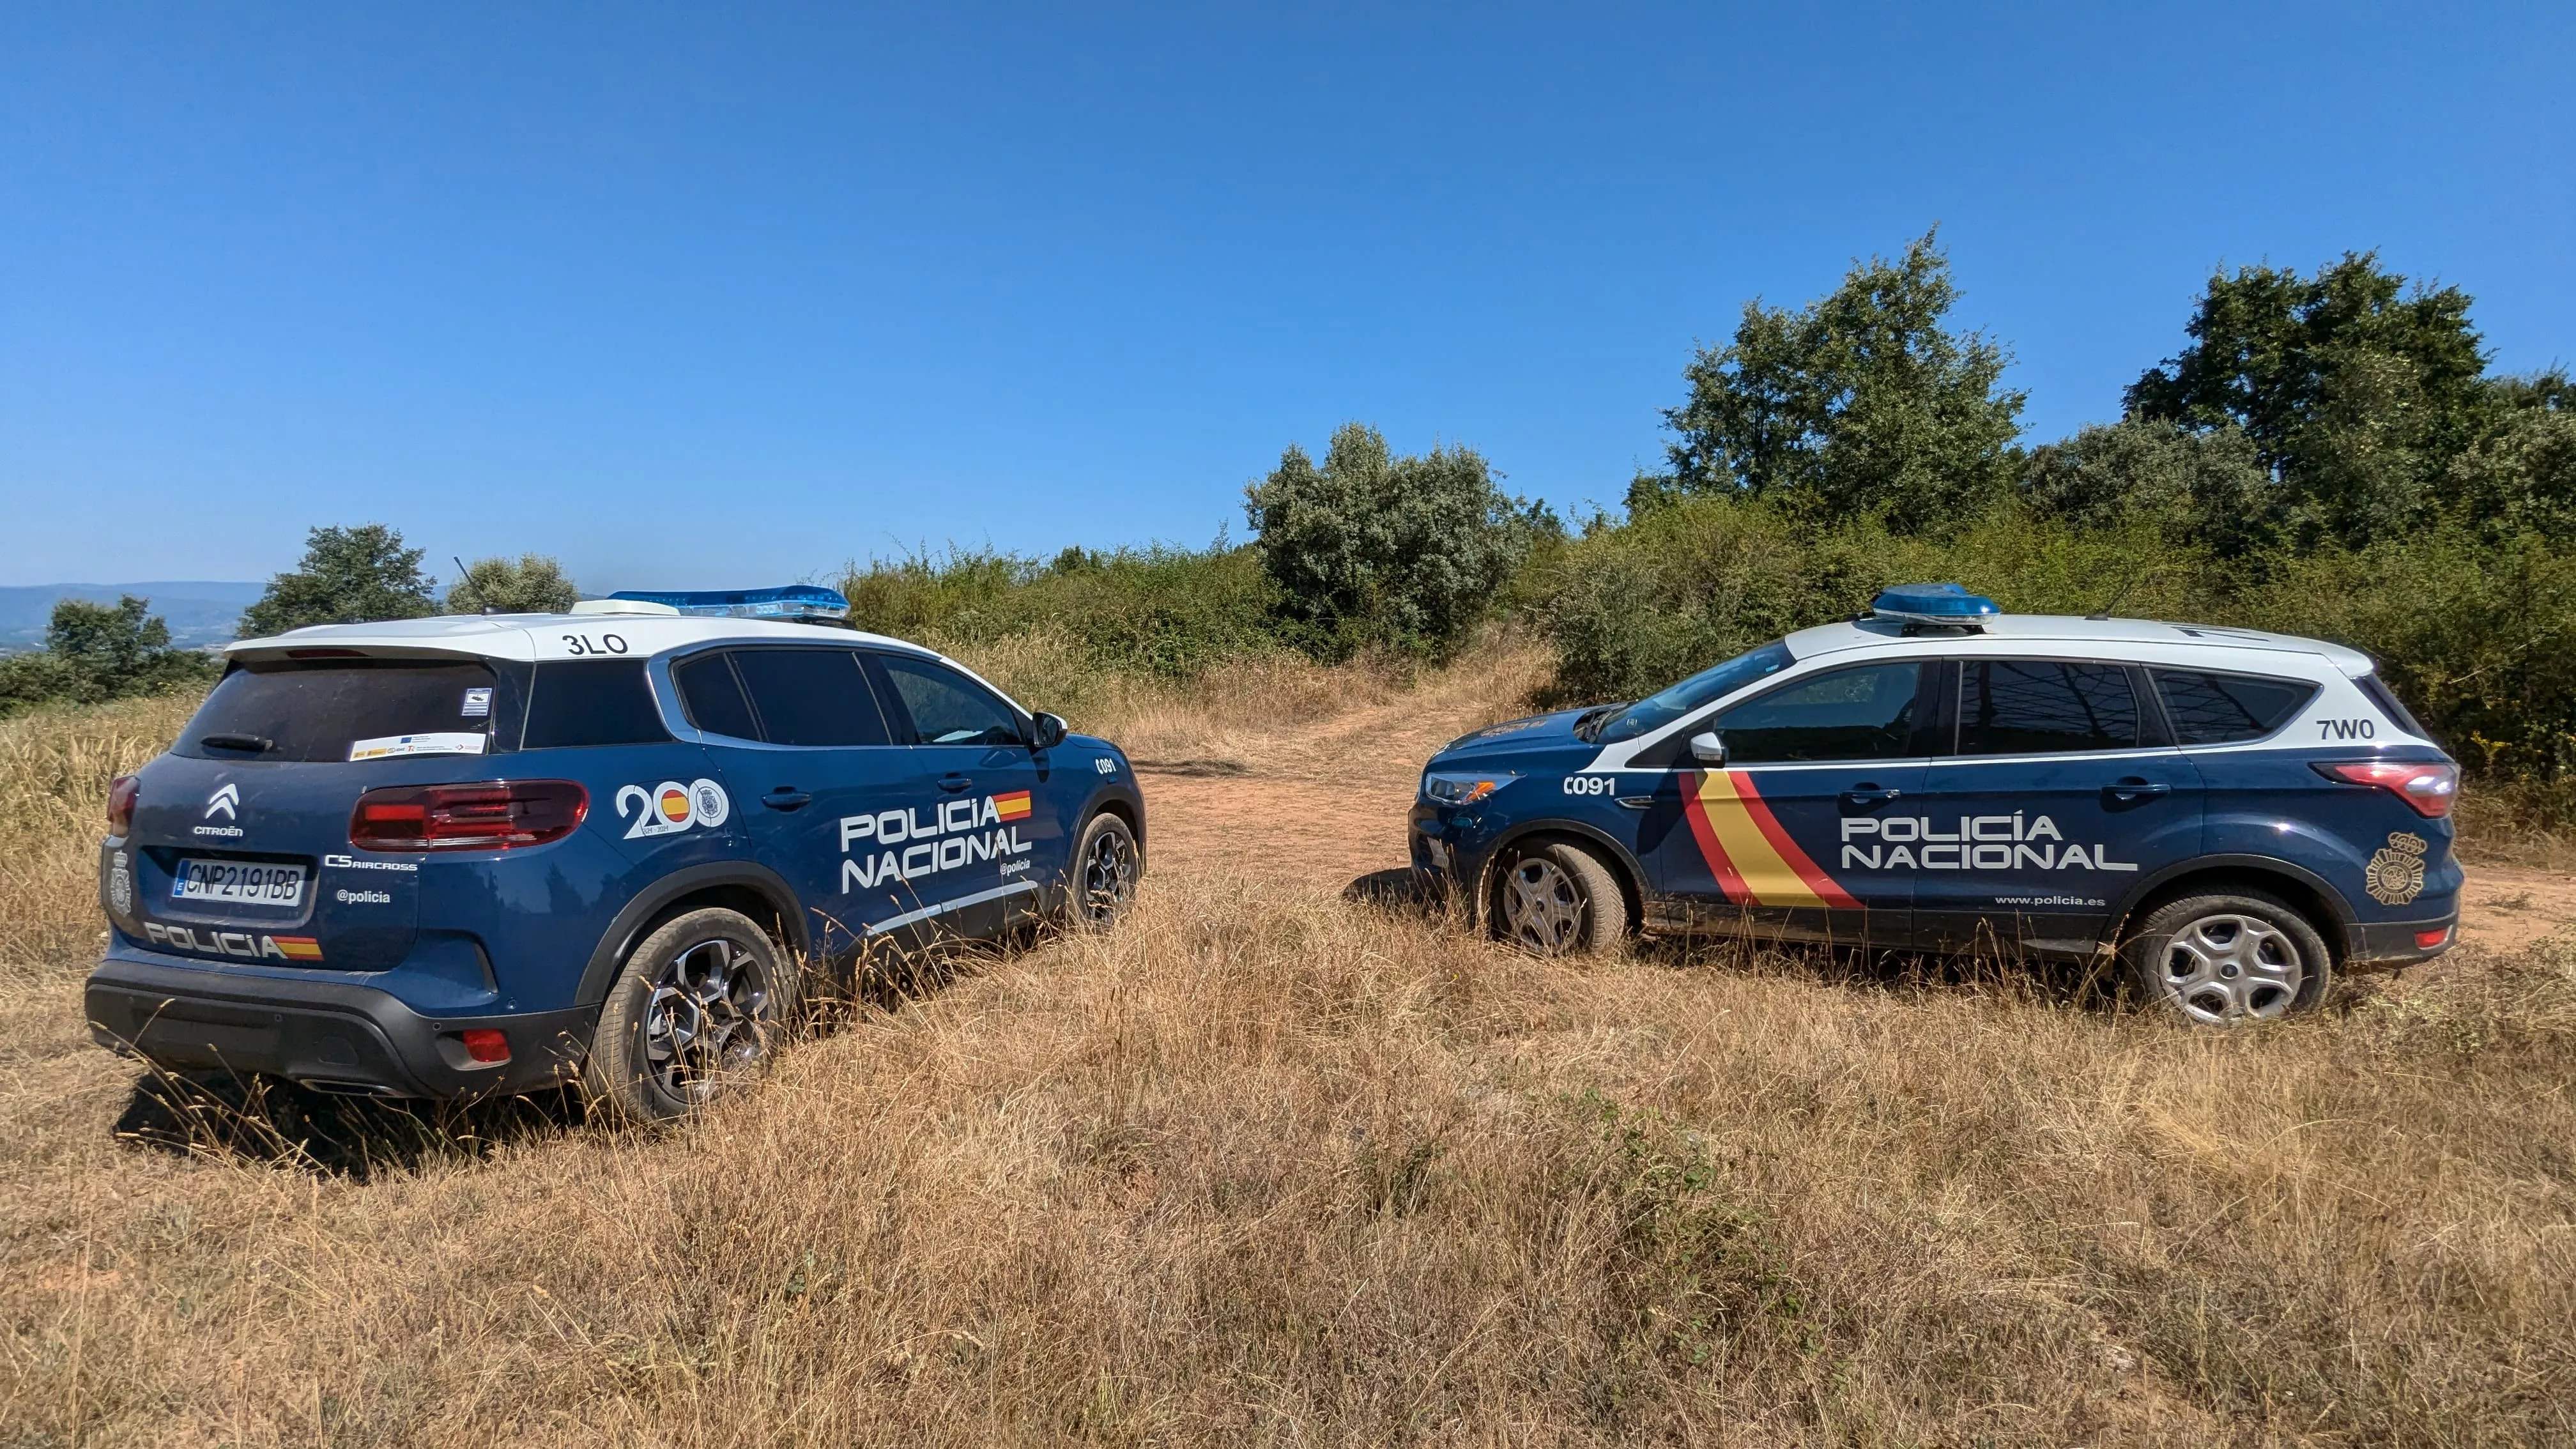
(533, 585)
(2521, 476)
(2197, 487)
(348, 576)
(96, 652)
(1861, 403)
(1372, 549)
(2357, 391)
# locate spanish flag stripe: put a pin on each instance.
(1011, 806)
(300, 948)
(1728, 882)
(1770, 880)
(1817, 882)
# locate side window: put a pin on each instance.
(946, 707)
(2217, 709)
(2040, 706)
(592, 702)
(811, 697)
(1865, 713)
(714, 698)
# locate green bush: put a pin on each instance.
(348, 576)
(1161, 611)
(535, 584)
(98, 652)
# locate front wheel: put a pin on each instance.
(1106, 867)
(699, 1006)
(1560, 899)
(2227, 958)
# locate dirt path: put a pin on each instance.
(1323, 803)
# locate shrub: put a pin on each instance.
(1163, 611)
(533, 585)
(348, 576)
(99, 652)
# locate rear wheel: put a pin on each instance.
(2220, 959)
(1560, 899)
(699, 1007)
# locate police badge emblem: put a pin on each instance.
(2395, 875)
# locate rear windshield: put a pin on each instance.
(342, 709)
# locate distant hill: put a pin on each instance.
(200, 611)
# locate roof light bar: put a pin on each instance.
(1943, 605)
(795, 601)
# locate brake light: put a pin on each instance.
(120, 805)
(485, 1045)
(492, 816)
(2429, 788)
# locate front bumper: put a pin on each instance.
(331, 1035)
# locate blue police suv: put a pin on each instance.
(2235, 814)
(457, 856)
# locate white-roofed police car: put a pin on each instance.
(2238, 813)
(456, 856)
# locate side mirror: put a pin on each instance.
(1049, 732)
(1707, 748)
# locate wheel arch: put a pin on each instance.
(1127, 805)
(1624, 866)
(754, 890)
(2319, 901)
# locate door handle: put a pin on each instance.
(786, 797)
(1870, 794)
(954, 783)
(2133, 789)
(1637, 802)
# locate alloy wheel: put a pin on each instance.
(709, 1016)
(2230, 967)
(1108, 876)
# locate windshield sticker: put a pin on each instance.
(671, 807)
(953, 834)
(478, 704)
(391, 746)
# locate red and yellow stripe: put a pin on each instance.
(1014, 806)
(298, 948)
(1752, 856)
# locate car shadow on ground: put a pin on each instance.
(271, 1121)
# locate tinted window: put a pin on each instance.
(592, 702)
(2212, 709)
(2033, 707)
(1850, 714)
(811, 696)
(946, 707)
(316, 711)
(1709, 685)
(713, 697)
(2390, 705)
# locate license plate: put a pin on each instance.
(239, 882)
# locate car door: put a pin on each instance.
(992, 843)
(798, 735)
(1784, 836)
(2062, 790)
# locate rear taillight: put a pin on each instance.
(468, 817)
(485, 1046)
(120, 805)
(2429, 788)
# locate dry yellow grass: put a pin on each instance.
(1263, 1166)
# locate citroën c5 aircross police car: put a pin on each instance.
(2238, 813)
(455, 856)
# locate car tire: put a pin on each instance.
(2229, 957)
(1559, 899)
(1100, 884)
(700, 1005)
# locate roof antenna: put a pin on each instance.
(2104, 613)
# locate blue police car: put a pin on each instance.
(2236, 813)
(455, 856)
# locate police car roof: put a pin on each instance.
(530, 637)
(2065, 634)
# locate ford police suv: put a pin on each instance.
(2236, 813)
(456, 856)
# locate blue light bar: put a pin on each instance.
(1945, 604)
(795, 601)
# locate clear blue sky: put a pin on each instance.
(713, 295)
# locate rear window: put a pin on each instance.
(2218, 709)
(309, 711)
(2040, 707)
(592, 702)
(2390, 705)
(713, 697)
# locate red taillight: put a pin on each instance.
(484, 1044)
(120, 805)
(468, 817)
(2427, 940)
(2429, 788)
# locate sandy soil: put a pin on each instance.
(1325, 803)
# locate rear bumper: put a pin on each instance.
(2385, 945)
(333, 1035)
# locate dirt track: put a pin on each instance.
(1324, 803)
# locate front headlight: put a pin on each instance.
(1464, 787)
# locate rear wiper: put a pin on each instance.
(256, 744)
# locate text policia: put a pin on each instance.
(1982, 842)
(955, 834)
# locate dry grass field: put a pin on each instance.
(1265, 1165)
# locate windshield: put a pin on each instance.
(1656, 711)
